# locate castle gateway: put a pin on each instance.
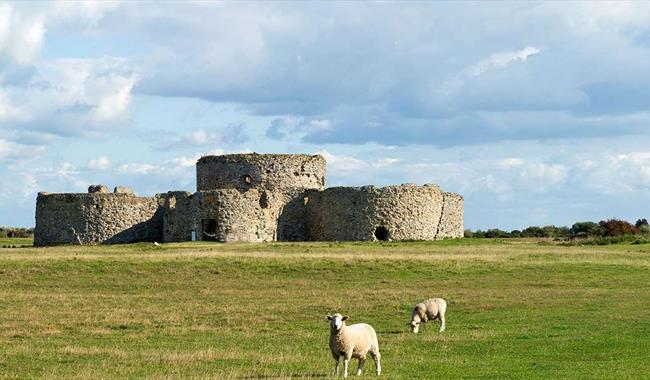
(251, 198)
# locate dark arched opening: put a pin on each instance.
(264, 200)
(381, 233)
(209, 227)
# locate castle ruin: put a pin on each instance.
(251, 198)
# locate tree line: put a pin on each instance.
(16, 232)
(579, 230)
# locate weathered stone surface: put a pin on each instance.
(93, 189)
(229, 215)
(179, 217)
(404, 212)
(97, 218)
(123, 190)
(451, 222)
(260, 171)
(251, 198)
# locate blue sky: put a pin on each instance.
(538, 113)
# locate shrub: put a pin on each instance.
(644, 230)
(496, 233)
(16, 232)
(586, 230)
(617, 227)
(532, 231)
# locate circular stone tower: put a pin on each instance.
(278, 172)
(404, 212)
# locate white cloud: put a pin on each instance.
(342, 163)
(72, 97)
(137, 168)
(384, 162)
(511, 162)
(320, 124)
(23, 27)
(544, 176)
(21, 35)
(13, 150)
(100, 163)
(500, 60)
(621, 173)
(493, 185)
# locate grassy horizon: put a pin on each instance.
(518, 308)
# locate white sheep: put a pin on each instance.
(354, 341)
(430, 309)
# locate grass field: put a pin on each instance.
(517, 309)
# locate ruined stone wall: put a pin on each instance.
(404, 212)
(230, 215)
(179, 218)
(251, 198)
(452, 219)
(260, 171)
(97, 218)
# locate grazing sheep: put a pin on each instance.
(354, 341)
(430, 309)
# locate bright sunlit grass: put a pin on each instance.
(517, 309)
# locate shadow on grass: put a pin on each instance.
(295, 375)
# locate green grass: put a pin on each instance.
(17, 242)
(517, 309)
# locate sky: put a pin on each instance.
(537, 113)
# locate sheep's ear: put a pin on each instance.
(329, 317)
(345, 318)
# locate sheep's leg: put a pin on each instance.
(346, 363)
(376, 357)
(442, 322)
(336, 367)
(362, 361)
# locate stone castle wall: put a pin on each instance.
(230, 215)
(251, 198)
(260, 171)
(404, 212)
(451, 221)
(96, 218)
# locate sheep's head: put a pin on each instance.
(415, 323)
(337, 321)
(415, 326)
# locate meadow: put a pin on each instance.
(517, 309)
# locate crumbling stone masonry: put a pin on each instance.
(404, 212)
(96, 218)
(251, 198)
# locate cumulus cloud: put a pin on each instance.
(201, 137)
(21, 35)
(99, 163)
(623, 173)
(388, 84)
(296, 127)
(72, 97)
(13, 150)
(401, 82)
(500, 60)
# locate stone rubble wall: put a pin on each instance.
(179, 218)
(260, 171)
(251, 198)
(97, 218)
(451, 222)
(406, 212)
(250, 216)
